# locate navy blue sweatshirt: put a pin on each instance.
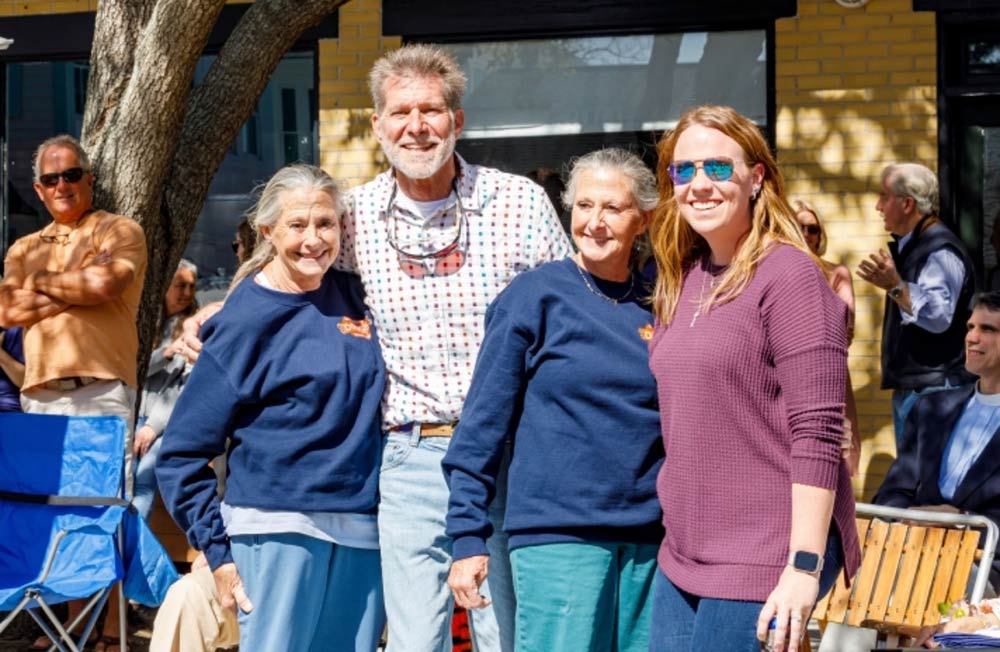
(295, 380)
(564, 374)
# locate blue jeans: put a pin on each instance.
(416, 553)
(308, 595)
(903, 401)
(145, 479)
(684, 622)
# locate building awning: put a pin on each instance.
(487, 19)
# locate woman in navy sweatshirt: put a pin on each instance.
(563, 375)
(291, 373)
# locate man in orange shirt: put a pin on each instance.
(75, 286)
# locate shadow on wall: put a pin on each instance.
(873, 474)
(833, 143)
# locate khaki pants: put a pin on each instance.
(191, 618)
(102, 398)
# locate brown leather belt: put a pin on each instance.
(428, 429)
(70, 383)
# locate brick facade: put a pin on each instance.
(856, 90)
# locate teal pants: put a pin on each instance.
(583, 597)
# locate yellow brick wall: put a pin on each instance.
(348, 150)
(29, 7)
(856, 90)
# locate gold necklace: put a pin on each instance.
(593, 290)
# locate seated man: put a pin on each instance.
(947, 460)
(192, 618)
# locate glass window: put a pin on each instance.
(984, 57)
(609, 83)
(533, 105)
(46, 98)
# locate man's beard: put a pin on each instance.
(420, 165)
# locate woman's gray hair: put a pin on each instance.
(267, 210)
(185, 264)
(418, 60)
(642, 181)
(915, 181)
(62, 140)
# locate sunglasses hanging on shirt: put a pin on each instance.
(440, 261)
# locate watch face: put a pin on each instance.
(806, 561)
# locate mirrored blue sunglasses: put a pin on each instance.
(716, 169)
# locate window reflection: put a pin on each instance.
(608, 84)
(46, 98)
(984, 57)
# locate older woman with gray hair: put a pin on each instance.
(291, 373)
(165, 379)
(563, 375)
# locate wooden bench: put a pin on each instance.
(911, 562)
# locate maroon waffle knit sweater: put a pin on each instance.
(751, 401)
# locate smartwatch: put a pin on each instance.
(809, 563)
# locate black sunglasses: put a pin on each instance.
(51, 179)
(811, 229)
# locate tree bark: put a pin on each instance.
(155, 143)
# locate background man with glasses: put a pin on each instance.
(75, 286)
(929, 284)
(434, 240)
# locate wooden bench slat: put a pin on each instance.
(864, 582)
(906, 575)
(887, 575)
(930, 554)
(942, 578)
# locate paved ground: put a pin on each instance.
(20, 636)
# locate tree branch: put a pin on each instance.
(117, 26)
(224, 100)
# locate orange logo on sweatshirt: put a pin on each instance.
(357, 328)
(646, 332)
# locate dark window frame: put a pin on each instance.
(962, 98)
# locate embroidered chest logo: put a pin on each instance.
(356, 327)
(646, 332)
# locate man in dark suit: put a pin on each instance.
(949, 457)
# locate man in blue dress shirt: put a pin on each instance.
(947, 460)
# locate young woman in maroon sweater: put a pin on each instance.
(750, 359)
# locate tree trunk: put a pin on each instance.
(155, 142)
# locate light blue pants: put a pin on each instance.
(584, 597)
(145, 479)
(308, 595)
(416, 553)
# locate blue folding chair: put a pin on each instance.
(66, 532)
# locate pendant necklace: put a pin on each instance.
(593, 290)
(701, 295)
